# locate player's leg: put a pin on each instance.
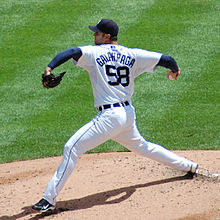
(131, 138)
(94, 133)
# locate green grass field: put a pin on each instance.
(35, 122)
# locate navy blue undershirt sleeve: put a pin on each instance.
(65, 55)
(168, 62)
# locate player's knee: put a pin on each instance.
(71, 149)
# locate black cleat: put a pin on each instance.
(43, 205)
(194, 170)
(189, 175)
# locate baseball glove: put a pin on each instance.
(51, 81)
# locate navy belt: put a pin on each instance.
(100, 108)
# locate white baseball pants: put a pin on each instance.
(118, 124)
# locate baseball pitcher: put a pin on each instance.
(112, 69)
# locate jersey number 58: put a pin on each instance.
(119, 75)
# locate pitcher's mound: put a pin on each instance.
(114, 186)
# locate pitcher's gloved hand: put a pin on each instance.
(51, 81)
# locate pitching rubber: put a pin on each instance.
(207, 173)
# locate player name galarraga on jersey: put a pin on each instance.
(115, 57)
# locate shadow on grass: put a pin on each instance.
(104, 198)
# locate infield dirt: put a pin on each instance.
(113, 186)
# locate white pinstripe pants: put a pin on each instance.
(119, 125)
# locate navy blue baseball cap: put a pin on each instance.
(106, 26)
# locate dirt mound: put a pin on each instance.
(119, 186)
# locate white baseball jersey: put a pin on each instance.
(113, 68)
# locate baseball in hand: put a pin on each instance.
(173, 76)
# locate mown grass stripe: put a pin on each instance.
(37, 122)
(30, 110)
(172, 112)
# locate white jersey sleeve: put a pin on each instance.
(146, 61)
(86, 59)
